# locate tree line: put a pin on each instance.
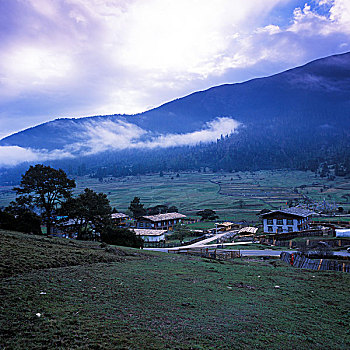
(45, 195)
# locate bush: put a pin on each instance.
(121, 236)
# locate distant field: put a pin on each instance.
(235, 196)
(147, 300)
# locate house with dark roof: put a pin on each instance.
(287, 220)
(160, 222)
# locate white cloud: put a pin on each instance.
(211, 132)
(13, 155)
(75, 58)
(108, 135)
(100, 136)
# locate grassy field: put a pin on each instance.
(235, 196)
(60, 295)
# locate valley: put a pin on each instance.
(234, 196)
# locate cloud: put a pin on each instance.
(77, 58)
(211, 132)
(108, 135)
(14, 155)
(99, 136)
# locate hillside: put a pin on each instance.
(157, 301)
(315, 94)
(262, 123)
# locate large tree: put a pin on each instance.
(207, 214)
(136, 207)
(46, 188)
(89, 211)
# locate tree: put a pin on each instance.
(137, 208)
(20, 216)
(121, 236)
(46, 188)
(89, 211)
(173, 209)
(207, 214)
(181, 231)
(158, 209)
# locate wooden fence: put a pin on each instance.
(210, 253)
(333, 243)
(304, 262)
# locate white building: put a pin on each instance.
(150, 235)
(287, 220)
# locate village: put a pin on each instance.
(288, 233)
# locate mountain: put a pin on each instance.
(300, 114)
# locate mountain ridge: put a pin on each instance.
(261, 123)
(159, 113)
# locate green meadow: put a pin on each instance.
(65, 294)
(235, 196)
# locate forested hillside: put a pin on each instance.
(296, 119)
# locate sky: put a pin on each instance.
(75, 58)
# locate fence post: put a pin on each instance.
(319, 266)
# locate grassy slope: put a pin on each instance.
(158, 301)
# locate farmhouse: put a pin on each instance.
(226, 226)
(150, 235)
(160, 222)
(119, 219)
(286, 220)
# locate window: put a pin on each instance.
(290, 229)
(289, 221)
(279, 229)
(270, 221)
(279, 221)
(269, 228)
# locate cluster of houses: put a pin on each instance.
(151, 228)
(154, 228)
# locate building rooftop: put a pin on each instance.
(145, 232)
(248, 229)
(225, 224)
(292, 211)
(162, 217)
(118, 216)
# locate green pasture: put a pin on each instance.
(62, 294)
(235, 196)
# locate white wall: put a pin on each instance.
(153, 238)
(284, 226)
